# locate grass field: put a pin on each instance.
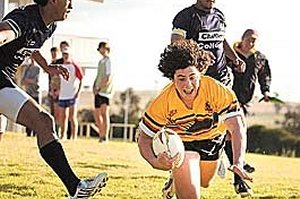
(23, 174)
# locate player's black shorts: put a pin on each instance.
(100, 100)
(208, 149)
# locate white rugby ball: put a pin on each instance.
(167, 140)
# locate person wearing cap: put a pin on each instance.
(257, 69)
(103, 90)
(23, 32)
(68, 96)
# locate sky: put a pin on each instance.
(139, 30)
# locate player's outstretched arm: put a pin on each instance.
(57, 70)
(6, 33)
(237, 127)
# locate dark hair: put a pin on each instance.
(64, 43)
(182, 54)
(105, 45)
(53, 49)
(41, 2)
(250, 32)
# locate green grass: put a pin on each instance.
(23, 174)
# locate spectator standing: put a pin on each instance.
(102, 88)
(30, 82)
(62, 45)
(54, 52)
(206, 25)
(257, 69)
(23, 32)
(53, 89)
(68, 96)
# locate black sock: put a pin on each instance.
(54, 155)
(229, 153)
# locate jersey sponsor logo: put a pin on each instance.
(209, 46)
(211, 36)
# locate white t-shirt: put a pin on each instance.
(68, 88)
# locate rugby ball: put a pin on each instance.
(168, 141)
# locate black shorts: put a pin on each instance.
(208, 149)
(100, 100)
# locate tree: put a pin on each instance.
(291, 122)
(130, 111)
(130, 101)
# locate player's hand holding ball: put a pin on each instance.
(169, 149)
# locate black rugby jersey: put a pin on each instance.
(257, 69)
(208, 30)
(31, 33)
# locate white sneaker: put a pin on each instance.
(221, 170)
(88, 188)
(169, 188)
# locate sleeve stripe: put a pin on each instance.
(14, 27)
(229, 115)
(232, 107)
(179, 31)
(146, 130)
(151, 120)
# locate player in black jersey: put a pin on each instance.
(22, 32)
(206, 25)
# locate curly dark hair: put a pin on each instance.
(182, 54)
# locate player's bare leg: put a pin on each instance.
(187, 177)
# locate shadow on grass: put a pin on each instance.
(102, 166)
(274, 197)
(10, 174)
(138, 177)
(22, 191)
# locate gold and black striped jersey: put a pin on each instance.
(213, 104)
